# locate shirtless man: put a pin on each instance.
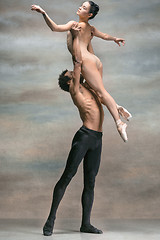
(86, 144)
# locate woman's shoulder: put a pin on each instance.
(82, 24)
(85, 25)
(71, 22)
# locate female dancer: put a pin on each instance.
(91, 65)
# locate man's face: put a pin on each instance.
(70, 75)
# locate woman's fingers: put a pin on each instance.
(34, 7)
(37, 8)
(120, 40)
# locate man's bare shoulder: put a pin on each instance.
(77, 97)
(75, 93)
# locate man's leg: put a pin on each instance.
(91, 167)
(77, 152)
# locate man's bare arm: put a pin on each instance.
(77, 60)
(51, 24)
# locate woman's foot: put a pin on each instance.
(48, 228)
(121, 126)
(90, 229)
(124, 113)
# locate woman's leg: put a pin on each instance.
(123, 112)
(93, 76)
(94, 79)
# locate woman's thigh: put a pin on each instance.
(93, 76)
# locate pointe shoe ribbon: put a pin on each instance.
(124, 112)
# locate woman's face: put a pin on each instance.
(83, 11)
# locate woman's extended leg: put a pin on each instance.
(94, 79)
(121, 110)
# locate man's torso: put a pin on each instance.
(89, 106)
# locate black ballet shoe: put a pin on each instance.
(48, 228)
(90, 229)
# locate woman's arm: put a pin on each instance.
(108, 37)
(52, 25)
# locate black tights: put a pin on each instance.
(86, 144)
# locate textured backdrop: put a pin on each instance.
(38, 120)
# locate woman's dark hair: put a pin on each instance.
(93, 9)
(62, 81)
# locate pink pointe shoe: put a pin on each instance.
(122, 130)
(124, 113)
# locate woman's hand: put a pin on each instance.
(37, 8)
(118, 40)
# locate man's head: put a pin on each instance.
(65, 79)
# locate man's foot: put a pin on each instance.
(90, 229)
(122, 130)
(124, 112)
(48, 228)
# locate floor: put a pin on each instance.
(68, 229)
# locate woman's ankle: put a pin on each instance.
(119, 122)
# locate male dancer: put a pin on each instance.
(86, 144)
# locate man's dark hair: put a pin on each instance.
(62, 81)
(93, 9)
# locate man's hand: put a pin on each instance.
(118, 40)
(75, 29)
(37, 8)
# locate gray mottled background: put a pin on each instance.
(38, 120)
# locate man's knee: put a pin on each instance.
(90, 182)
(68, 177)
(101, 93)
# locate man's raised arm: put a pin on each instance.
(77, 58)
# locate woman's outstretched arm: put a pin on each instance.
(108, 37)
(52, 25)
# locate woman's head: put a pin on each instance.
(94, 9)
(88, 10)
